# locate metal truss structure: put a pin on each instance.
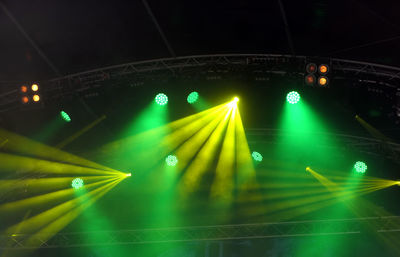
(210, 67)
(389, 224)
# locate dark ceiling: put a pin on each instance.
(80, 35)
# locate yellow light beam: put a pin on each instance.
(36, 222)
(204, 158)
(222, 187)
(22, 145)
(11, 163)
(67, 141)
(44, 199)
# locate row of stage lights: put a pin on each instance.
(30, 93)
(312, 71)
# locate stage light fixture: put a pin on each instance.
(24, 89)
(293, 97)
(310, 79)
(193, 97)
(161, 99)
(128, 174)
(77, 183)
(25, 99)
(236, 99)
(323, 81)
(35, 87)
(311, 68)
(257, 156)
(171, 160)
(323, 69)
(360, 167)
(65, 116)
(36, 98)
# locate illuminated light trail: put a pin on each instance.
(14, 162)
(22, 145)
(80, 132)
(223, 185)
(33, 224)
(203, 160)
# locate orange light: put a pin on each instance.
(25, 99)
(36, 98)
(34, 87)
(310, 79)
(311, 68)
(24, 89)
(323, 69)
(322, 81)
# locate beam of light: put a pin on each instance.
(11, 163)
(47, 199)
(37, 185)
(244, 163)
(223, 184)
(51, 227)
(24, 146)
(373, 131)
(203, 160)
(79, 133)
(35, 223)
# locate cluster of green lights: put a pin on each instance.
(65, 116)
(193, 97)
(161, 99)
(77, 183)
(171, 160)
(360, 167)
(257, 156)
(293, 97)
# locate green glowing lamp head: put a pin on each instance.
(171, 160)
(257, 156)
(161, 99)
(293, 97)
(360, 167)
(77, 183)
(193, 97)
(65, 116)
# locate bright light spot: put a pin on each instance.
(323, 69)
(25, 99)
(24, 89)
(34, 87)
(293, 97)
(128, 174)
(65, 116)
(308, 169)
(77, 183)
(257, 156)
(171, 160)
(193, 97)
(161, 99)
(235, 99)
(322, 81)
(360, 167)
(36, 98)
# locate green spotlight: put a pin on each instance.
(171, 160)
(65, 116)
(293, 97)
(257, 156)
(193, 97)
(77, 183)
(360, 167)
(161, 99)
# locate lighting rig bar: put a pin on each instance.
(389, 224)
(211, 65)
